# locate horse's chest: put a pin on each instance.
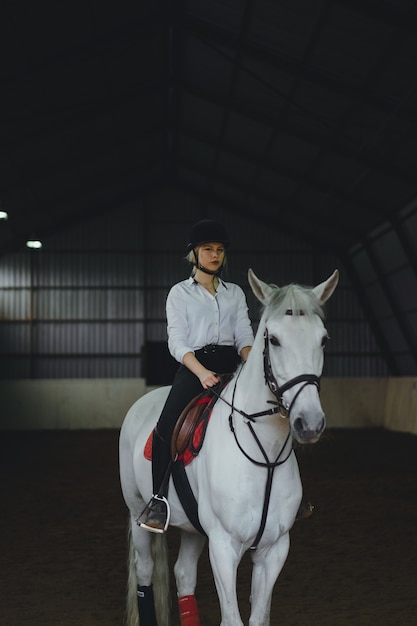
(238, 495)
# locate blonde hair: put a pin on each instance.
(190, 257)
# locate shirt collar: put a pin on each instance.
(222, 285)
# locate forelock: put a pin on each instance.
(300, 300)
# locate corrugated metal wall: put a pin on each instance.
(87, 304)
(384, 270)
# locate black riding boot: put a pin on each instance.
(155, 517)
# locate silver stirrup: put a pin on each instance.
(152, 529)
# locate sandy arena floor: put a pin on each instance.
(63, 524)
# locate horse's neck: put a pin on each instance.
(251, 390)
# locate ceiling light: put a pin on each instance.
(34, 244)
(3, 215)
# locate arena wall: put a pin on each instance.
(102, 403)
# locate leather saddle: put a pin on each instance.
(190, 429)
(195, 413)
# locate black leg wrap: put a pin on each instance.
(146, 606)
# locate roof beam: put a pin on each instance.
(215, 34)
(374, 322)
(335, 144)
(288, 215)
(287, 224)
(389, 12)
(402, 322)
(90, 209)
(236, 67)
(287, 172)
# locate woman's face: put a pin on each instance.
(211, 255)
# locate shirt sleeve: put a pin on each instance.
(243, 330)
(177, 324)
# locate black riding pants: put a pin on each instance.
(219, 359)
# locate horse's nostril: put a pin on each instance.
(299, 425)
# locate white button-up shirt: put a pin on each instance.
(197, 318)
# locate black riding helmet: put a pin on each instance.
(206, 231)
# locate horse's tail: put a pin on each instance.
(160, 581)
(132, 614)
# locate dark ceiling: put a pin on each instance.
(299, 113)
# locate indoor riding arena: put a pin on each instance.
(126, 130)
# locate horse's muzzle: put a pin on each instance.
(306, 432)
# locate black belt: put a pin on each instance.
(211, 348)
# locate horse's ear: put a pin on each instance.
(325, 289)
(261, 290)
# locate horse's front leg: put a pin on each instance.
(224, 559)
(267, 564)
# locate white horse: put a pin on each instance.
(245, 479)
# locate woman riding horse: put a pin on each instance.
(209, 332)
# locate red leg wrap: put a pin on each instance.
(188, 611)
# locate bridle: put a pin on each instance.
(284, 410)
(271, 381)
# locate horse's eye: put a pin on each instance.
(324, 341)
(274, 341)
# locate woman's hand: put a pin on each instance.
(208, 379)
